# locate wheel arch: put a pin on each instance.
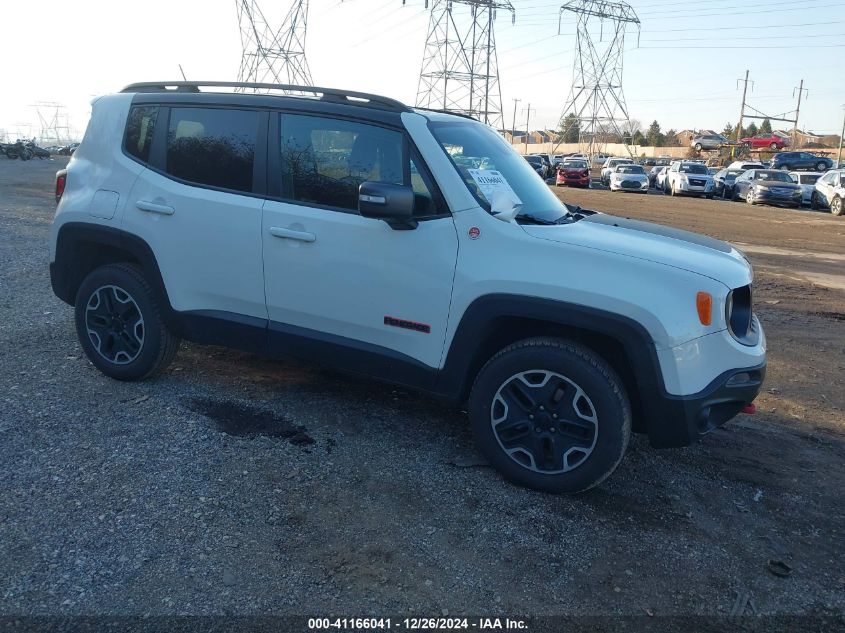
(83, 247)
(493, 322)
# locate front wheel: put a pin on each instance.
(821, 167)
(698, 147)
(550, 415)
(814, 202)
(773, 146)
(836, 206)
(119, 324)
(749, 196)
(784, 167)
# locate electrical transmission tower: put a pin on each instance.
(596, 99)
(53, 122)
(460, 71)
(273, 55)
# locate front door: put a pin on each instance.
(350, 286)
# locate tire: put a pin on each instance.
(709, 196)
(698, 147)
(821, 167)
(119, 324)
(836, 206)
(814, 202)
(749, 196)
(784, 167)
(544, 372)
(25, 154)
(673, 192)
(773, 146)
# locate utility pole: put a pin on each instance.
(527, 119)
(797, 113)
(839, 155)
(741, 113)
(513, 127)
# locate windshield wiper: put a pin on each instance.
(533, 219)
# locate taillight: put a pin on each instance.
(61, 181)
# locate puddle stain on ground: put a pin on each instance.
(240, 420)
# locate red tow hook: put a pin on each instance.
(750, 409)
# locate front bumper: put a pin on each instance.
(768, 197)
(681, 420)
(580, 181)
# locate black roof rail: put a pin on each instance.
(326, 94)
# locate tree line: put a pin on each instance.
(654, 136)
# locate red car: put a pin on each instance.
(764, 141)
(573, 173)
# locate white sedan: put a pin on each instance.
(807, 180)
(629, 178)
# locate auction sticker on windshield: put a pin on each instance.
(491, 181)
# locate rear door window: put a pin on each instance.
(212, 146)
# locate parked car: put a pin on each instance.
(688, 178)
(766, 141)
(767, 186)
(655, 332)
(708, 142)
(67, 150)
(537, 163)
(652, 175)
(629, 178)
(547, 161)
(745, 165)
(723, 182)
(660, 179)
(830, 191)
(610, 165)
(792, 161)
(573, 173)
(807, 181)
(713, 170)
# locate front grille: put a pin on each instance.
(695, 182)
(630, 184)
(781, 191)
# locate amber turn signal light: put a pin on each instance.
(704, 305)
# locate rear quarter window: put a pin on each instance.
(139, 131)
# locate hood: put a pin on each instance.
(628, 176)
(776, 184)
(685, 250)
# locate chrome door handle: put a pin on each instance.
(152, 207)
(289, 234)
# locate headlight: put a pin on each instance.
(762, 188)
(739, 315)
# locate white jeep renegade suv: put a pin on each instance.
(408, 245)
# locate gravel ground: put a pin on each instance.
(238, 485)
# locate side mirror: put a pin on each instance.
(384, 201)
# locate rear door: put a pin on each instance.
(197, 208)
(343, 281)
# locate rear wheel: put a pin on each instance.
(784, 167)
(119, 324)
(773, 146)
(821, 166)
(698, 147)
(550, 415)
(836, 206)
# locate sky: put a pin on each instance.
(682, 72)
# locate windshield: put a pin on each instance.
(629, 169)
(808, 180)
(575, 164)
(472, 142)
(534, 160)
(775, 176)
(692, 168)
